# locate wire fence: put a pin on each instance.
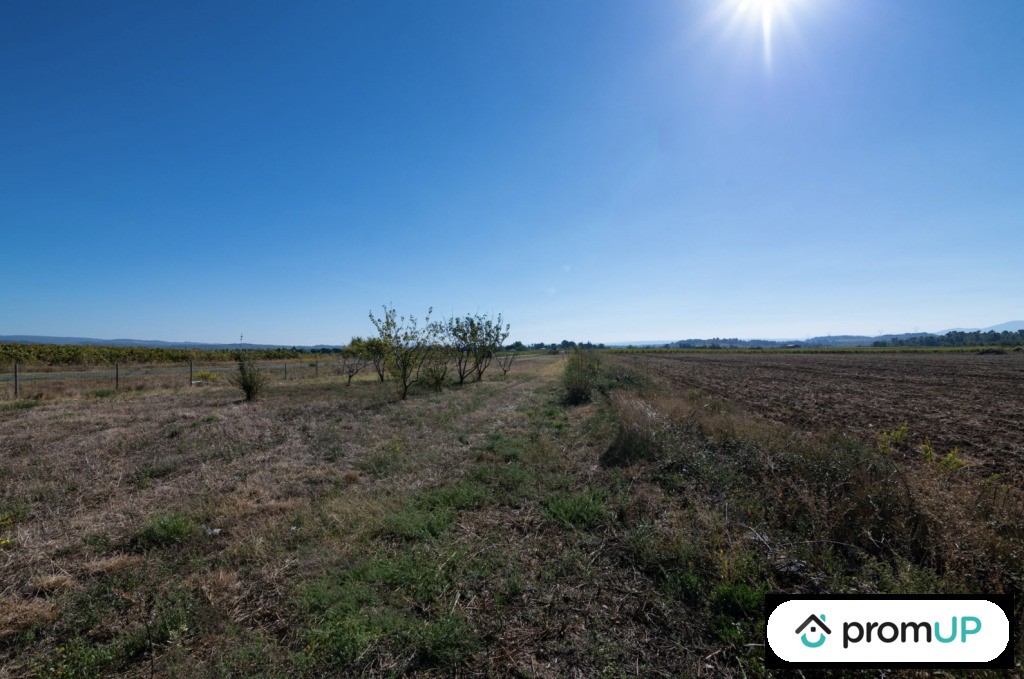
(21, 381)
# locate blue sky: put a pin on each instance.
(594, 170)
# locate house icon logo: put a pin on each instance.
(817, 626)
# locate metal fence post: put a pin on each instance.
(15, 380)
(117, 376)
(190, 378)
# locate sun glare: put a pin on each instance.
(765, 12)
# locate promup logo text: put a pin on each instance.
(888, 631)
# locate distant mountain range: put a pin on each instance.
(840, 340)
(824, 341)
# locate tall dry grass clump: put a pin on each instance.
(582, 371)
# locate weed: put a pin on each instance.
(952, 461)
(737, 600)
(165, 529)
(889, 441)
(583, 510)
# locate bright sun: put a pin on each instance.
(767, 12)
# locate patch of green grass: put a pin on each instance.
(737, 600)
(504, 449)
(100, 542)
(380, 464)
(165, 529)
(390, 605)
(464, 494)
(103, 393)
(584, 510)
(210, 419)
(23, 404)
(78, 659)
(156, 470)
(413, 524)
(251, 656)
(11, 514)
(505, 483)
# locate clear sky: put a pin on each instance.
(594, 170)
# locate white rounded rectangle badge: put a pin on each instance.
(882, 631)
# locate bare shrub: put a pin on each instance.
(505, 361)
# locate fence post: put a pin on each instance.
(285, 371)
(117, 376)
(15, 380)
(318, 368)
(190, 378)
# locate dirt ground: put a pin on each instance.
(973, 402)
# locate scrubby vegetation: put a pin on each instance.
(250, 378)
(582, 370)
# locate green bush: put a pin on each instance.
(582, 370)
(250, 379)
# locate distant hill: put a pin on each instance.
(156, 344)
(838, 341)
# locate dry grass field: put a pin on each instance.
(489, 530)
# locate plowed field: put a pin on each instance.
(970, 401)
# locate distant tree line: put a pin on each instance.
(74, 354)
(564, 345)
(957, 338)
(730, 343)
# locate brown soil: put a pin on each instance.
(972, 402)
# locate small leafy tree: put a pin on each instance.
(461, 334)
(377, 352)
(475, 340)
(250, 378)
(437, 362)
(491, 336)
(407, 345)
(354, 358)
